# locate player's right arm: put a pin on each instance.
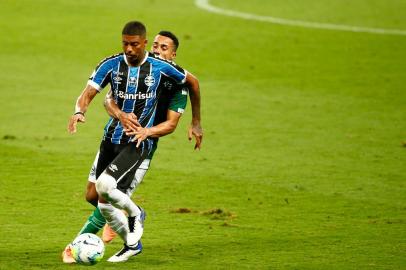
(97, 81)
(157, 131)
(175, 109)
(195, 129)
(82, 103)
(182, 76)
(128, 120)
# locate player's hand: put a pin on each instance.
(74, 119)
(140, 135)
(129, 121)
(195, 130)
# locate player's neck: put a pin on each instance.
(137, 63)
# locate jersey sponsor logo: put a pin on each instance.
(184, 91)
(113, 167)
(132, 81)
(118, 73)
(168, 85)
(149, 81)
(123, 95)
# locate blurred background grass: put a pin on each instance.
(304, 136)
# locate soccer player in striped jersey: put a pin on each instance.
(134, 78)
(171, 105)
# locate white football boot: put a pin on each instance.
(125, 253)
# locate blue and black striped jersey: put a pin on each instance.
(135, 89)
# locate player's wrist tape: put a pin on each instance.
(79, 113)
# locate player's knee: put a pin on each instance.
(105, 183)
(92, 198)
(91, 194)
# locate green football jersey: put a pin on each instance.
(174, 98)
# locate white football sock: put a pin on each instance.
(116, 219)
(106, 186)
(122, 201)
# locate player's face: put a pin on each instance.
(164, 47)
(134, 48)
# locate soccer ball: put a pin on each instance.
(87, 249)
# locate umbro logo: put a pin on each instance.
(117, 79)
(113, 167)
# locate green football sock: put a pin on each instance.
(94, 223)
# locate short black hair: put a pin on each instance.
(134, 28)
(171, 36)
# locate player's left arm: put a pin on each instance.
(162, 129)
(195, 128)
(183, 76)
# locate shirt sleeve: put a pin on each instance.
(101, 75)
(174, 71)
(179, 100)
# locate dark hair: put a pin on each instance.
(171, 36)
(134, 28)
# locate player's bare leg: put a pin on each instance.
(91, 193)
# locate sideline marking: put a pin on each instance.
(204, 4)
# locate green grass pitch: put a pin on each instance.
(303, 159)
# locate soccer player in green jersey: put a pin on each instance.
(169, 109)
